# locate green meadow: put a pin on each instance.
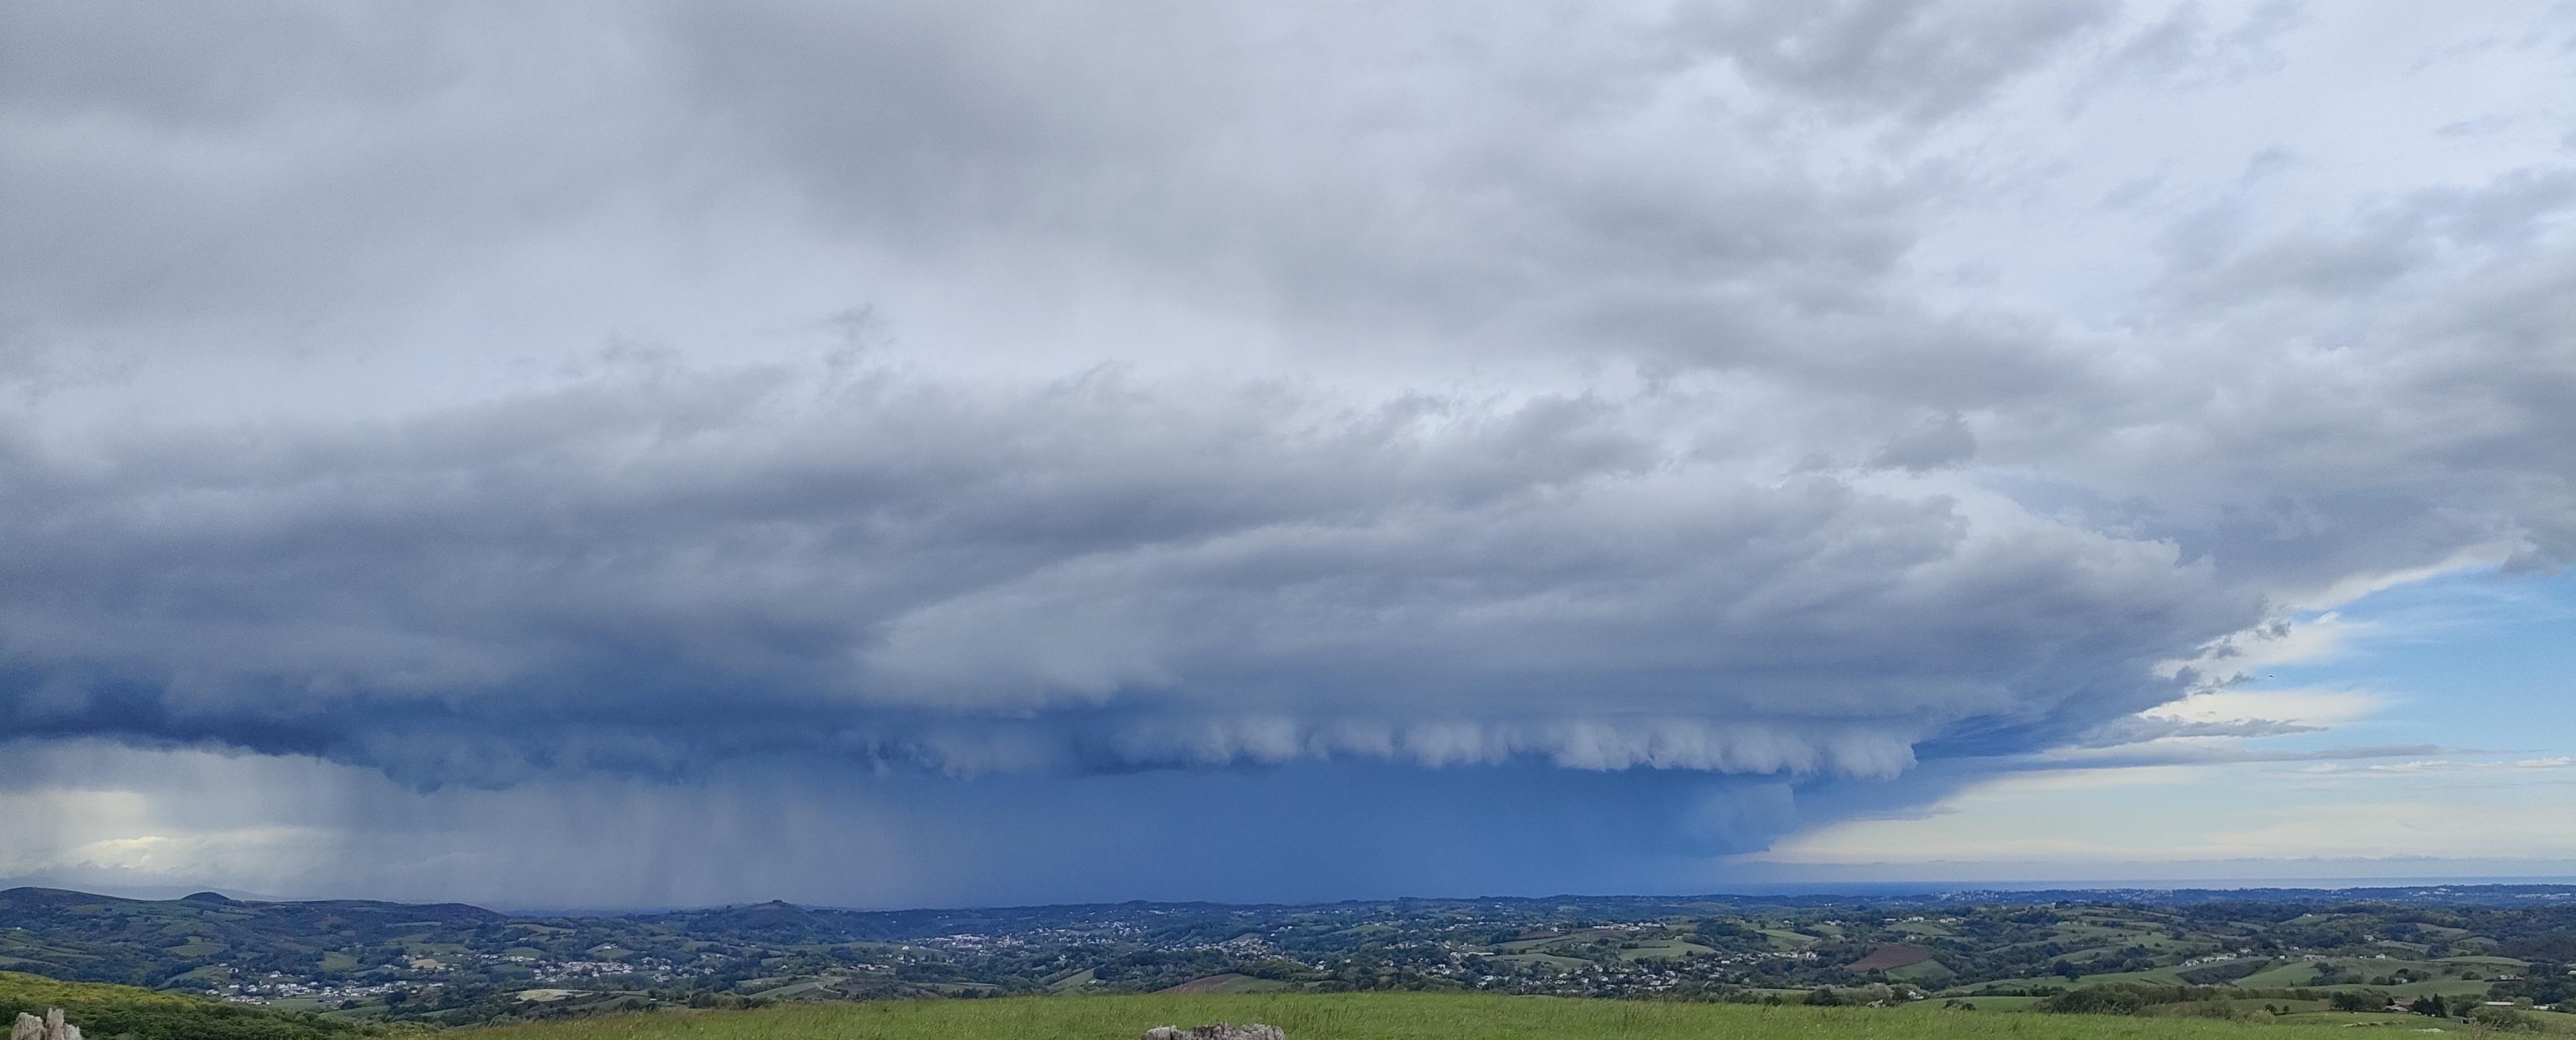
(1421, 1016)
(129, 1013)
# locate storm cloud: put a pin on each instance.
(1735, 414)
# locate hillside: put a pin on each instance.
(448, 965)
(105, 1012)
(1405, 1016)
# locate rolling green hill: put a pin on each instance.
(1406, 1016)
(105, 1012)
(352, 962)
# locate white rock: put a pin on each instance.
(1217, 1031)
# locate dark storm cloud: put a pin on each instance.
(809, 832)
(646, 574)
(1622, 394)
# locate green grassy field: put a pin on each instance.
(1405, 1016)
(110, 1012)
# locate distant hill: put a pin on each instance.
(138, 942)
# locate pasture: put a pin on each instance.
(1414, 1016)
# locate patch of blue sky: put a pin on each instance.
(2478, 660)
(2436, 745)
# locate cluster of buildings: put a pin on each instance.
(280, 987)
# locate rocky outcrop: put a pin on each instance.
(1217, 1031)
(50, 1027)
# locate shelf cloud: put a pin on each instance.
(1745, 415)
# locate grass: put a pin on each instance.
(2286, 976)
(1664, 949)
(1394, 1016)
(1927, 973)
(2151, 976)
(107, 1012)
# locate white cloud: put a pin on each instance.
(2445, 765)
(2301, 706)
(2108, 823)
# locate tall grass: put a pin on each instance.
(1382, 1016)
(110, 1012)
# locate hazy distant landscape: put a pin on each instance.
(2280, 955)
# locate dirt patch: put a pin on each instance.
(1202, 984)
(1891, 956)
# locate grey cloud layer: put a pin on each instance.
(643, 573)
(1795, 390)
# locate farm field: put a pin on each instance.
(1402, 1016)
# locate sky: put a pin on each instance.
(909, 454)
